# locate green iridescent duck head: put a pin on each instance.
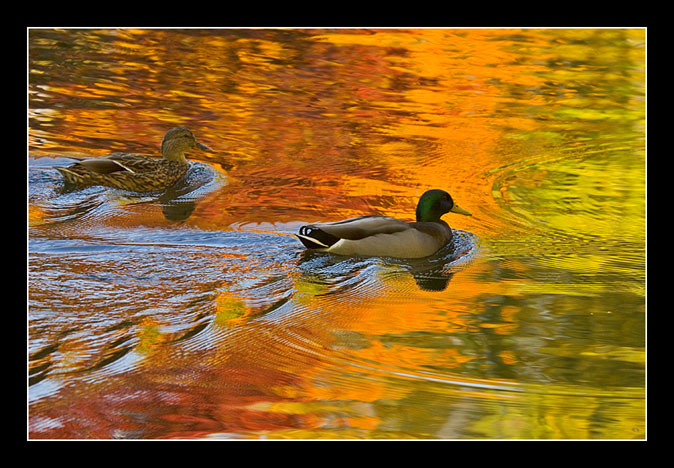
(435, 203)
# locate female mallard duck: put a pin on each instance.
(135, 172)
(384, 236)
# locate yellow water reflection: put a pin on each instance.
(215, 324)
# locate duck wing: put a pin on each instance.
(362, 227)
(115, 162)
(324, 235)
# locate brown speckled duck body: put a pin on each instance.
(135, 172)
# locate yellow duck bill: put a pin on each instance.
(457, 209)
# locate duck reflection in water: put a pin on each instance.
(430, 274)
(173, 207)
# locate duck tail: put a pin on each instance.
(314, 238)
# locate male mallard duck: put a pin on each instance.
(384, 236)
(135, 172)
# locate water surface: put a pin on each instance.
(196, 313)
